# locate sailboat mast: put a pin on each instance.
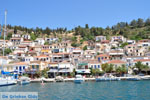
(5, 32)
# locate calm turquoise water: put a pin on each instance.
(121, 90)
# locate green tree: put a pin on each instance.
(109, 68)
(133, 23)
(86, 26)
(33, 37)
(105, 67)
(85, 48)
(140, 23)
(75, 44)
(146, 68)
(95, 72)
(44, 72)
(46, 43)
(15, 30)
(147, 22)
(123, 44)
(7, 51)
(139, 66)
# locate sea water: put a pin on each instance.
(111, 90)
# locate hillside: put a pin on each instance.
(136, 30)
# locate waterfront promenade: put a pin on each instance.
(39, 80)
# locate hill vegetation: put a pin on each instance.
(136, 30)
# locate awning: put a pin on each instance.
(64, 71)
(5, 73)
(52, 71)
(83, 71)
(83, 64)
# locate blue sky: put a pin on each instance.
(71, 13)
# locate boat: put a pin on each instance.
(133, 79)
(78, 79)
(107, 78)
(24, 81)
(7, 81)
(59, 79)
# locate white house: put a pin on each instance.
(20, 67)
(100, 38)
(143, 61)
(26, 36)
(39, 41)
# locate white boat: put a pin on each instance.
(24, 80)
(59, 79)
(78, 79)
(7, 81)
(107, 78)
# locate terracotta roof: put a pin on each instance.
(16, 38)
(116, 62)
(94, 62)
(21, 63)
(41, 56)
(103, 55)
(22, 46)
(105, 41)
(53, 63)
(27, 41)
(142, 60)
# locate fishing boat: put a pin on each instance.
(78, 79)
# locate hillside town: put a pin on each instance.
(59, 58)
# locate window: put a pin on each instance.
(16, 68)
(20, 68)
(98, 66)
(37, 67)
(146, 63)
(23, 67)
(99, 58)
(91, 66)
(32, 66)
(95, 66)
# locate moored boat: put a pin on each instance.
(107, 78)
(78, 79)
(7, 81)
(24, 81)
(133, 78)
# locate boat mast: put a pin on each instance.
(5, 32)
(4, 39)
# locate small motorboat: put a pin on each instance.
(78, 79)
(24, 80)
(107, 78)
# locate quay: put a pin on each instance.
(40, 80)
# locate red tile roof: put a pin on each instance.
(103, 55)
(141, 60)
(116, 62)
